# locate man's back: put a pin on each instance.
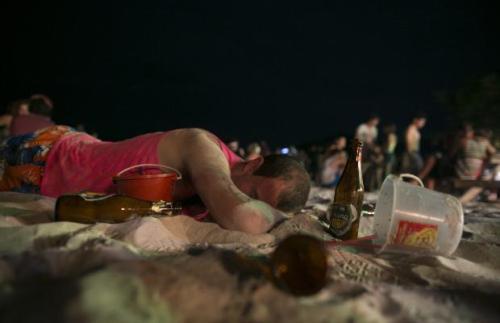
(412, 138)
(23, 124)
(80, 162)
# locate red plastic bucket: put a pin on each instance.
(136, 182)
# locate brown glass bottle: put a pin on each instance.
(345, 211)
(92, 208)
(299, 264)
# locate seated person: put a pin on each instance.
(37, 118)
(239, 195)
(253, 151)
(474, 151)
(18, 107)
(333, 163)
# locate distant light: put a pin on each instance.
(285, 151)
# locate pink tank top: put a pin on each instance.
(79, 162)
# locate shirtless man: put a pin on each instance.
(367, 132)
(412, 160)
(240, 195)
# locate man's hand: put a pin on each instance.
(256, 217)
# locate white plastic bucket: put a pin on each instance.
(410, 218)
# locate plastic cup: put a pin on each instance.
(412, 219)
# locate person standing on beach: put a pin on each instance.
(412, 161)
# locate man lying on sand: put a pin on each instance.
(239, 195)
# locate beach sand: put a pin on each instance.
(180, 270)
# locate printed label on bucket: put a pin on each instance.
(417, 235)
(341, 218)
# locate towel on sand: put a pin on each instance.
(32, 215)
(179, 270)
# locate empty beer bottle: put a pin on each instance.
(345, 211)
(299, 264)
(92, 208)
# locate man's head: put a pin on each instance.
(341, 143)
(254, 149)
(39, 106)
(484, 134)
(233, 144)
(373, 121)
(279, 180)
(419, 120)
(45, 99)
(390, 128)
(467, 131)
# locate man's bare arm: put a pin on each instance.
(202, 161)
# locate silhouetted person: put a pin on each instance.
(234, 145)
(253, 151)
(474, 151)
(389, 146)
(38, 118)
(412, 161)
(367, 132)
(333, 163)
(18, 107)
(436, 164)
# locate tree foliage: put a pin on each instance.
(478, 102)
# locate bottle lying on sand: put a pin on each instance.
(299, 264)
(92, 207)
(345, 211)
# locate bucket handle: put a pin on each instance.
(163, 167)
(406, 175)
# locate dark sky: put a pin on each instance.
(289, 73)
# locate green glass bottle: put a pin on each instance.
(345, 211)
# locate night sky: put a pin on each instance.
(288, 73)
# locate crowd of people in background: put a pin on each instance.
(464, 154)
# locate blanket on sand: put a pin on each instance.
(178, 270)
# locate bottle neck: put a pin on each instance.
(356, 151)
(353, 166)
(165, 208)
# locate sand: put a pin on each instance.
(179, 270)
